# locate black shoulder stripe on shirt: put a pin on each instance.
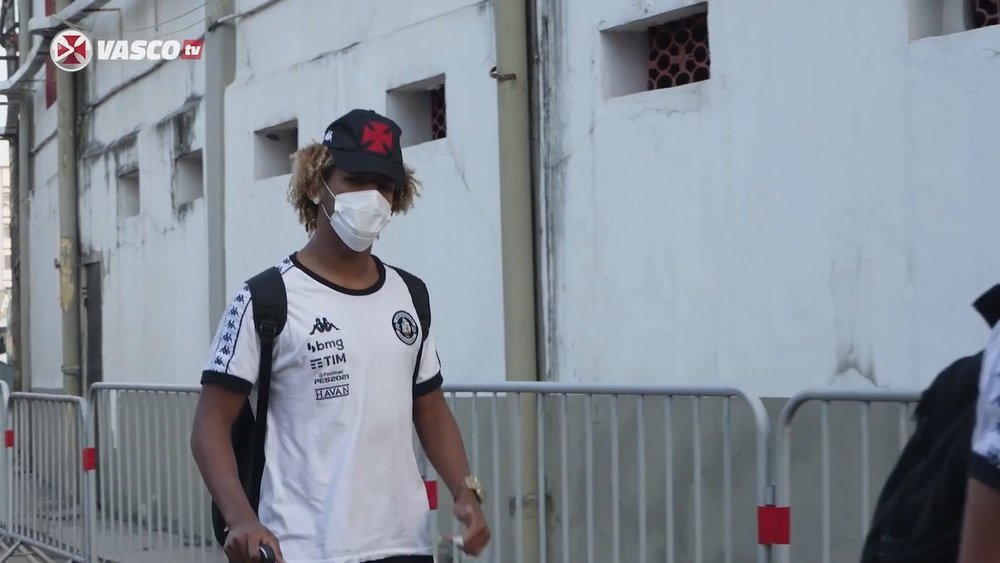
(228, 381)
(421, 300)
(422, 303)
(425, 387)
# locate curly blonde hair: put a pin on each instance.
(313, 164)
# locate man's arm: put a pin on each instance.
(217, 410)
(980, 537)
(213, 452)
(442, 442)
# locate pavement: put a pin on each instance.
(123, 546)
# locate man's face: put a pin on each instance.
(342, 182)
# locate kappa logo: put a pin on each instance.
(405, 327)
(322, 326)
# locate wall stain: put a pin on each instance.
(849, 291)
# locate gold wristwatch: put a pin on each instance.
(473, 484)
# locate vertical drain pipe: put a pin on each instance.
(25, 141)
(518, 247)
(69, 229)
(220, 69)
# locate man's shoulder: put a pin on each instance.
(283, 266)
(418, 293)
(409, 278)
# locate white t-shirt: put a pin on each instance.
(984, 465)
(340, 481)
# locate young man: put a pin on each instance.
(981, 527)
(352, 376)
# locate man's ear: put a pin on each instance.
(315, 193)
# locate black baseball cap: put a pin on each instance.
(365, 142)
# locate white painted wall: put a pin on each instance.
(43, 243)
(154, 280)
(155, 283)
(815, 214)
(350, 58)
(821, 208)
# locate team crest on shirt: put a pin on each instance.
(405, 327)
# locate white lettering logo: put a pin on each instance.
(138, 50)
(71, 50)
(192, 50)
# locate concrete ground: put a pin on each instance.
(121, 547)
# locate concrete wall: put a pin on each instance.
(154, 284)
(43, 245)
(351, 59)
(155, 296)
(726, 233)
(814, 214)
(136, 116)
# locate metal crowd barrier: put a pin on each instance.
(4, 482)
(151, 503)
(591, 496)
(896, 415)
(590, 473)
(49, 472)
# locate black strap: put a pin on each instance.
(422, 303)
(270, 309)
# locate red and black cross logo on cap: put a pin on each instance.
(377, 137)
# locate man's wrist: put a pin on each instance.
(243, 518)
(466, 495)
(470, 489)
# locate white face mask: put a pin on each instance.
(358, 217)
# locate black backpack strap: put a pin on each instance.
(422, 303)
(270, 309)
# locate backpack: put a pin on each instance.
(918, 516)
(270, 311)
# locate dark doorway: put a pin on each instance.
(92, 303)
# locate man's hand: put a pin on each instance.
(470, 513)
(244, 541)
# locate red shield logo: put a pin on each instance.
(377, 137)
(71, 50)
